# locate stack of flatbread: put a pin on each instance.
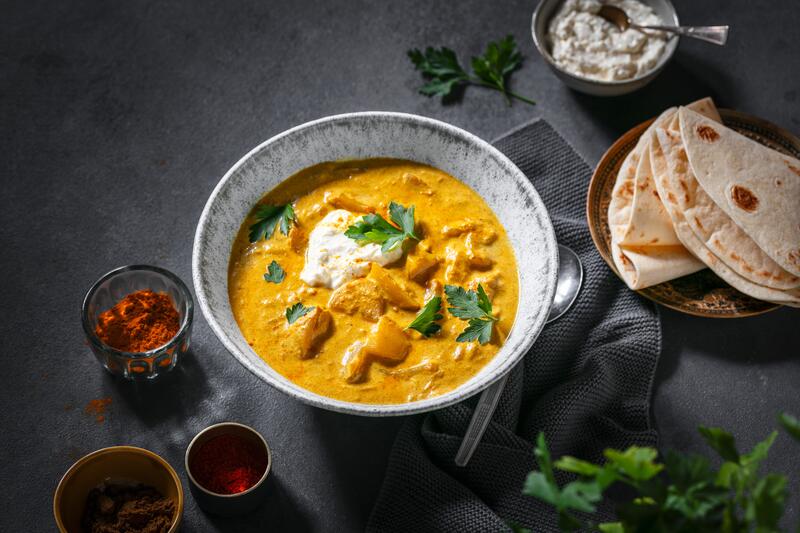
(694, 194)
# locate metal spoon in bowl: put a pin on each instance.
(620, 19)
(570, 279)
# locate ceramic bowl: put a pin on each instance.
(541, 20)
(228, 504)
(118, 464)
(366, 135)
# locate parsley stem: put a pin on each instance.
(503, 90)
(519, 97)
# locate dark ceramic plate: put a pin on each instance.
(701, 293)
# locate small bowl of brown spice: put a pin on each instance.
(137, 320)
(119, 489)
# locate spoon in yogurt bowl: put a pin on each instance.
(619, 18)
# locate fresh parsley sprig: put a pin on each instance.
(268, 217)
(425, 321)
(275, 274)
(374, 228)
(474, 307)
(684, 493)
(444, 73)
(296, 311)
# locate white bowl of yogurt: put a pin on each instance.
(592, 56)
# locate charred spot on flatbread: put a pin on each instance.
(699, 224)
(792, 167)
(744, 198)
(707, 133)
(627, 189)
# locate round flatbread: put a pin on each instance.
(717, 231)
(663, 141)
(757, 187)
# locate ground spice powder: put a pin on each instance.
(97, 408)
(228, 464)
(142, 321)
(127, 509)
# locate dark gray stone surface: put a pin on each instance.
(116, 121)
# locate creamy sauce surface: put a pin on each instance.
(365, 297)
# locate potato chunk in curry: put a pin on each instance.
(307, 331)
(362, 296)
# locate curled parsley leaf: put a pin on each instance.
(275, 274)
(296, 311)
(268, 217)
(425, 321)
(474, 307)
(374, 228)
(444, 73)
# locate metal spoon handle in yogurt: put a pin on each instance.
(710, 34)
(620, 19)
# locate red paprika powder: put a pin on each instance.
(228, 464)
(142, 321)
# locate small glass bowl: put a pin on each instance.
(113, 287)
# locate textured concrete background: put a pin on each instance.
(116, 121)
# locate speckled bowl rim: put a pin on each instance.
(465, 390)
(77, 465)
(541, 46)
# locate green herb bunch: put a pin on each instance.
(682, 494)
(444, 73)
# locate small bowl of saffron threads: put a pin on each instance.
(227, 465)
(137, 320)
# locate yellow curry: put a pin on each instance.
(347, 255)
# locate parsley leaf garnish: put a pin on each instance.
(269, 217)
(374, 228)
(474, 307)
(296, 311)
(425, 321)
(275, 273)
(444, 73)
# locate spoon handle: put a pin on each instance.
(480, 420)
(711, 34)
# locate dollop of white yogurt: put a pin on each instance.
(333, 259)
(588, 46)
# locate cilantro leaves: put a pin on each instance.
(269, 217)
(275, 274)
(444, 73)
(374, 228)
(296, 311)
(474, 307)
(425, 321)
